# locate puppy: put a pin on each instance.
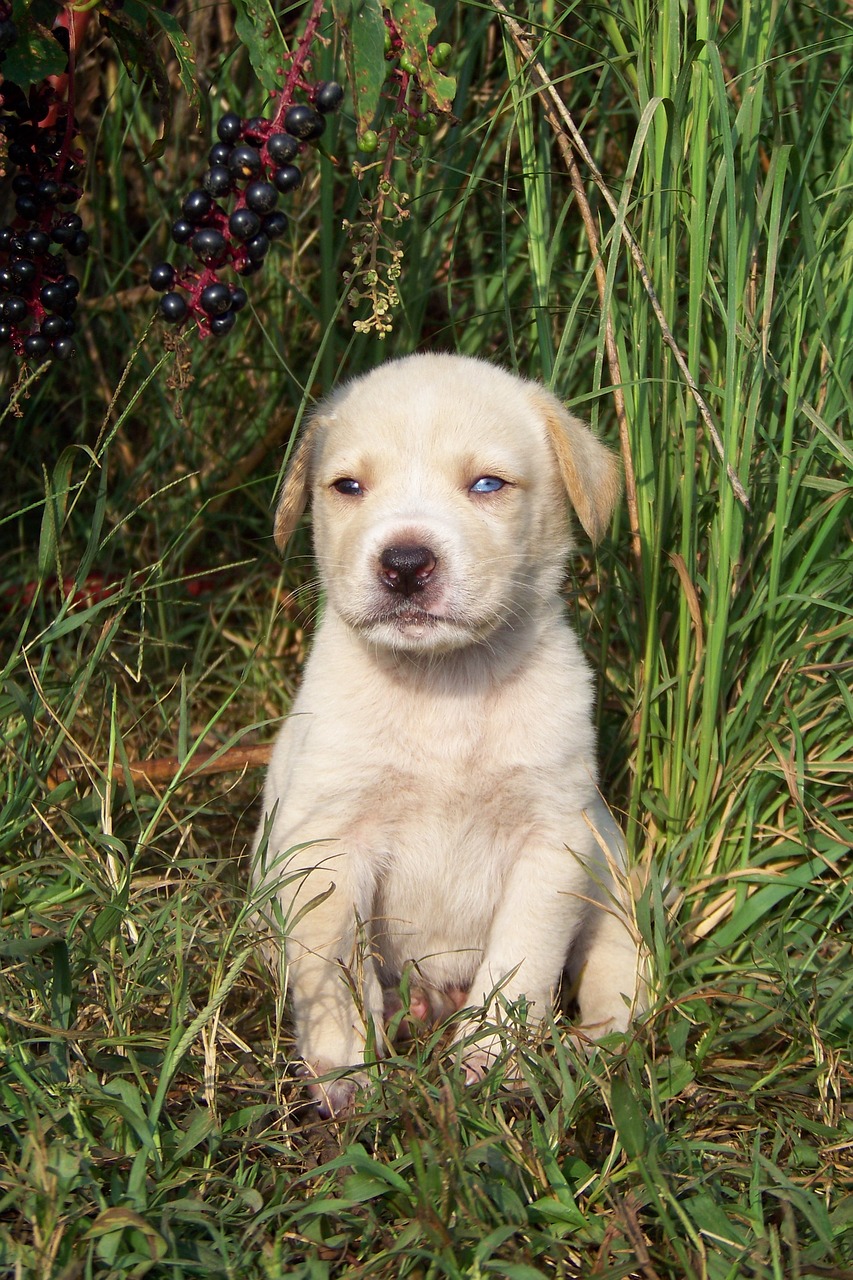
(431, 806)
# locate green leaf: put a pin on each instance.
(141, 59)
(363, 30)
(182, 47)
(415, 21)
(551, 1210)
(628, 1118)
(35, 54)
(258, 29)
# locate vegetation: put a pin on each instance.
(648, 207)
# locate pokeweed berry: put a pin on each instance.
(197, 206)
(304, 122)
(258, 248)
(221, 324)
(287, 178)
(244, 224)
(245, 161)
(261, 197)
(230, 127)
(62, 348)
(328, 96)
(36, 241)
(173, 307)
(217, 181)
(274, 224)
(215, 298)
(36, 346)
(182, 231)
(282, 147)
(162, 276)
(209, 245)
(219, 154)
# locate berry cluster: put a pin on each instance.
(232, 218)
(38, 294)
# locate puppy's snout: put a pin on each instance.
(406, 569)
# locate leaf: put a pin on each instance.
(363, 29)
(35, 54)
(141, 58)
(57, 490)
(258, 29)
(415, 21)
(628, 1118)
(182, 47)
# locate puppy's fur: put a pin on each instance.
(431, 803)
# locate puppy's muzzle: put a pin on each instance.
(406, 569)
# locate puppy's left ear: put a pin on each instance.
(293, 498)
(590, 472)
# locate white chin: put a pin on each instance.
(417, 633)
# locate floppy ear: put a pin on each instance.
(590, 472)
(293, 498)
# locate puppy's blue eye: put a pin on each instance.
(348, 486)
(487, 484)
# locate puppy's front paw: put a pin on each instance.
(334, 1099)
(478, 1057)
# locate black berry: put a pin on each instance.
(287, 178)
(244, 224)
(53, 327)
(215, 299)
(281, 147)
(209, 245)
(182, 231)
(258, 248)
(196, 206)
(261, 197)
(274, 224)
(328, 96)
(230, 127)
(220, 153)
(36, 346)
(13, 309)
(63, 348)
(24, 272)
(53, 296)
(162, 276)
(36, 241)
(221, 324)
(173, 307)
(217, 181)
(304, 122)
(245, 162)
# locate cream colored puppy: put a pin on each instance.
(431, 803)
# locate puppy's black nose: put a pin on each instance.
(406, 569)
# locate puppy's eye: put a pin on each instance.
(351, 488)
(487, 484)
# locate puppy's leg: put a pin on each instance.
(334, 992)
(538, 916)
(606, 962)
(550, 902)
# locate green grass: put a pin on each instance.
(150, 1120)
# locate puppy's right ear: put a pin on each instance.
(293, 498)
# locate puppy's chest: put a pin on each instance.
(441, 859)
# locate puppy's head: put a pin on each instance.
(438, 486)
